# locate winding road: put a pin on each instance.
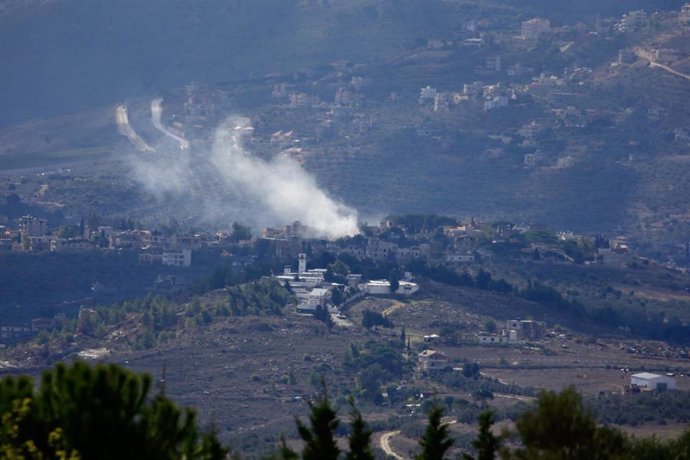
(386, 447)
(126, 129)
(156, 111)
(646, 55)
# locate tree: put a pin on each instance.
(359, 439)
(240, 232)
(471, 370)
(101, 412)
(339, 268)
(487, 444)
(284, 452)
(372, 319)
(483, 279)
(561, 427)
(395, 283)
(435, 441)
(319, 443)
(337, 295)
(321, 313)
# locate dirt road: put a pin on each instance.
(156, 111)
(648, 56)
(385, 445)
(396, 306)
(126, 129)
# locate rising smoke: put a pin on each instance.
(225, 183)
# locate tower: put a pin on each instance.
(302, 267)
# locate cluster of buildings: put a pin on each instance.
(514, 331)
(631, 21)
(462, 243)
(11, 333)
(491, 96)
(34, 235)
(312, 290)
(535, 28)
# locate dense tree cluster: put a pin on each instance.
(159, 318)
(372, 319)
(374, 365)
(106, 412)
(102, 412)
(558, 427)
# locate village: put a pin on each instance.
(393, 255)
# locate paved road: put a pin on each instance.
(156, 111)
(126, 129)
(385, 445)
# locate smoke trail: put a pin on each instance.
(226, 183)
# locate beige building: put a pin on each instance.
(432, 360)
(535, 28)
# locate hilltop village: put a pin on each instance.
(324, 276)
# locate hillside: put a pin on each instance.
(66, 56)
(586, 134)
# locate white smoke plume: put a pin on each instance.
(227, 183)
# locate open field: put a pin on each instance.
(251, 376)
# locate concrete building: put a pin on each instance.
(427, 94)
(33, 226)
(71, 245)
(432, 360)
(495, 102)
(180, 258)
(534, 28)
(527, 329)
(317, 296)
(632, 21)
(380, 250)
(460, 257)
(383, 287)
(684, 16)
(14, 332)
(649, 381)
(510, 336)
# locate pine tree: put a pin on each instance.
(435, 441)
(102, 412)
(487, 444)
(319, 443)
(562, 427)
(360, 438)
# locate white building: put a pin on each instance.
(495, 102)
(653, 381)
(534, 28)
(383, 287)
(510, 336)
(307, 278)
(181, 258)
(632, 21)
(460, 258)
(427, 94)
